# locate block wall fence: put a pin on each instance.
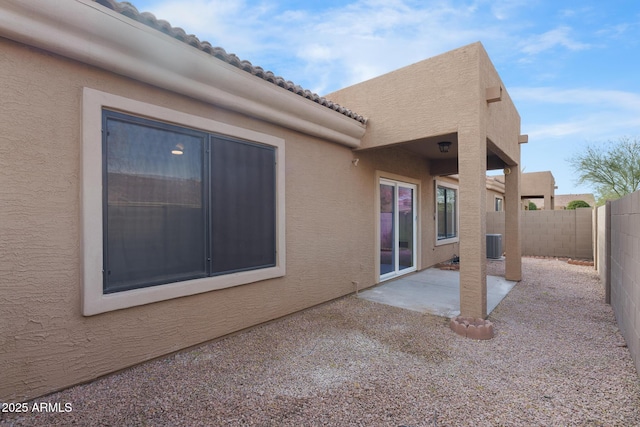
(562, 233)
(618, 263)
(610, 235)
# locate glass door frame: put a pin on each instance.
(397, 182)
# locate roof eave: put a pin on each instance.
(90, 33)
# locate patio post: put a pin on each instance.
(472, 165)
(512, 239)
(548, 205)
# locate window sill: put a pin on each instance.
(95, 302)
(447, 241)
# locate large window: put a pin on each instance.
(175, 204)
(183, 204)
(446, 213)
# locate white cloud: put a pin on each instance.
(225, 23)
(558, 37)
(578, 127)
(316, 52)
(326, 49)
(370, 37)
(617, 31)
(583, 114)
(600, 98)
(335, 47)
(595, 125)
(505, 9)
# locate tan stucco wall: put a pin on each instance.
(503, 120)
(46, 343)
(428, 90)
(437, 96)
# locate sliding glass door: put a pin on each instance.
(398, 220)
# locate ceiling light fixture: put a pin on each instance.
(178, 150)
(444, 146)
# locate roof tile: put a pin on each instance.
(149, 19)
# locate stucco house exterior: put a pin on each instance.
(536, 187)
(158, 192)
(495, 193)
(495, 190)
(539, 186)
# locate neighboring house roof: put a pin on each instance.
(135, 189)
(562, 200)
(496, 183)
(146, 18)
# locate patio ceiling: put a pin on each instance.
(442, 163)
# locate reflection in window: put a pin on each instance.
(387, 232)
(154, 230)
(405, 227)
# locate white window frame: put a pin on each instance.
(445, 184)
(501, 204)
(94, 301)
(381, 177)
(396, 224)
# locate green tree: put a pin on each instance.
(532, 206)
(577, 204)
(613, 170)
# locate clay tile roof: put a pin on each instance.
(146, 18)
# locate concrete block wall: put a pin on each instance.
(600, 245)
(495, 222)
(624, 268)
(566, 233)
(583, 233)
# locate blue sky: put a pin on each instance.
(571, 67)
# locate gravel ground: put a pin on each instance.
(557, 359)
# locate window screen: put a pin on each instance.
(180, 204)
(243, 211)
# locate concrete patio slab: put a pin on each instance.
(433, 291)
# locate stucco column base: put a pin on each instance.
(474, 328)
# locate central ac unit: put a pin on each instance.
(494, 246)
